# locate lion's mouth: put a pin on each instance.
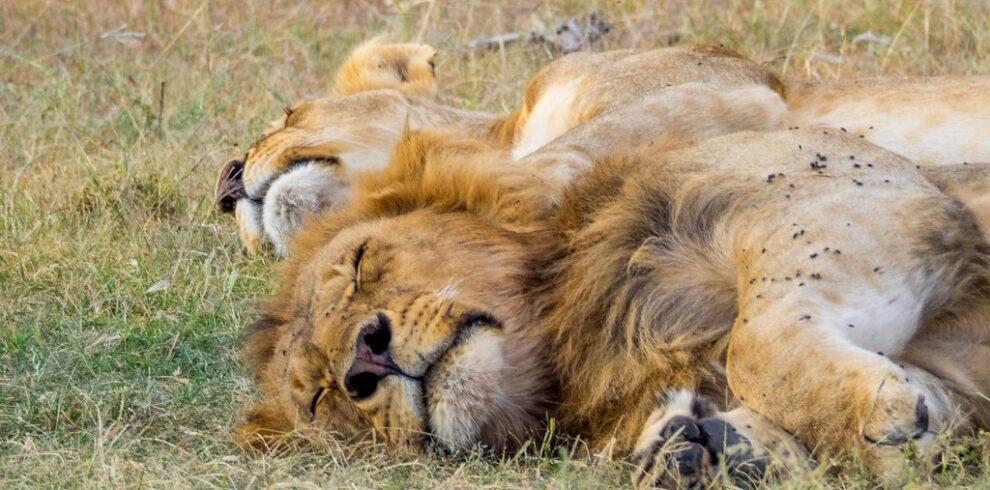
(465, 328)
(373, 358)
(231, 188)
(446, 379)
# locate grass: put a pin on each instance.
(122, 292)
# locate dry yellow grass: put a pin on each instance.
(122, 293)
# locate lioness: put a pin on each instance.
(307, 161)
(462, 297)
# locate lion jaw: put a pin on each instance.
(303, 191)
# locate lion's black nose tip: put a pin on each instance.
(377, 335)
(230, 186)
(372, 361)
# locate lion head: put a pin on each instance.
(405, 316)
(307, 160)
(306, 163)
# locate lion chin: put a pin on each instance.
(304, 191)
(464, 397)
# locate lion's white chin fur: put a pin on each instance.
(480, 394)
(466, 392)
(305, 190)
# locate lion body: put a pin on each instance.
(378, 97)
(662, 269)
(810, 279)
(383, 89)
(931, 121)
(740, 230)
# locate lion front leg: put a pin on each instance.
(791, 362)
(687, 442)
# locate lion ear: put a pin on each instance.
(264, 429)
(405, 67)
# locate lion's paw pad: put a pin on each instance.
(696, 452)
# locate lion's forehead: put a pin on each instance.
(355, 107)
(331, 128)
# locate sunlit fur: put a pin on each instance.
(607, 298)
(660, 268)
(932, 121)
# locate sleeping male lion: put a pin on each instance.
(639, 281)
(308, 160)
(839, 294)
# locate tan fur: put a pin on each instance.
(658, 280)
(970, 184)
(339, 137)
(932, 121)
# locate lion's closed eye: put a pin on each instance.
(316, 401)
(359, 254)
(329, 160)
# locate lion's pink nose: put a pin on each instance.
(372, 361)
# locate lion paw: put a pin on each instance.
(685, 444)
(895, 421)
(899, 417)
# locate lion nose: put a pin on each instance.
(372, 361)
(230, 186)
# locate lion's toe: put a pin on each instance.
(689, 450)
(901, 417)
(897, 417)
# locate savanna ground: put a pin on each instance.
(122, 291)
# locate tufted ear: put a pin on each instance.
(373, 65)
